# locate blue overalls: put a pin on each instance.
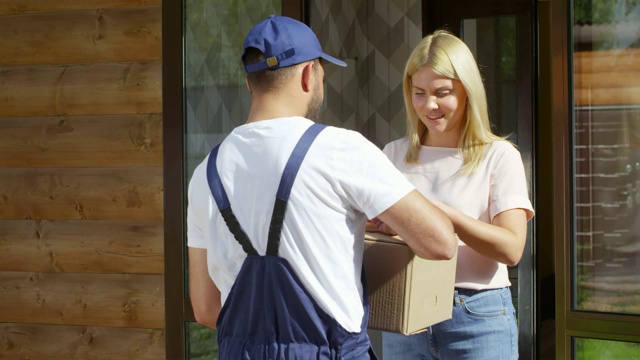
(269, 314)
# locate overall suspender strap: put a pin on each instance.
(282, 196)
(220, 195)
(286, 183)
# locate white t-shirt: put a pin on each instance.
(344, 179)
(497, 185)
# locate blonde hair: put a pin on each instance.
(448, 56)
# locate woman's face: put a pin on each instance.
(440, 103)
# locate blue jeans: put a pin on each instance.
(482, 326)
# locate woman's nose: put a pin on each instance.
(431, 103)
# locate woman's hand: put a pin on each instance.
(502, 240)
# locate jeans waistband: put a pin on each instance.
(469, 292)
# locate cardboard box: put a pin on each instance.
(406, 293)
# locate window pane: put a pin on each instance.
(606, 129)
(201, 342)
(595, 349)
(493, 43)
(215, 93)
(216, 99)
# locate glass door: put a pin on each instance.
(204, 98)
(602, 312)
(215, 99)
(501, 34)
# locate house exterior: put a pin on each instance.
(81, 219)
(106, 106)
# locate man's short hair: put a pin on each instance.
(266, 79)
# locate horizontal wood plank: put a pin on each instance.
(607, 77)
(611, 80)
(606, 61)
(111, 35)
(82, 246)
(59, 342)
(600, 96)
(87, 89)
(37, 6)
(81, 141)
(131, 301)
(134, 193)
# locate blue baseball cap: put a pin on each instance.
(284, 42)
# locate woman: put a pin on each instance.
(477, 178)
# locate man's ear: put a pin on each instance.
(308, 76)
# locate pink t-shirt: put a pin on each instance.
(497, 185)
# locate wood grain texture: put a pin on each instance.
(38, 6)
(602, 96)
(134, 193)
(86, 89)
(104, 35)
(81, 141)
(133, 301)
(608, 77)
(610, 80)
(81, 180)
(607, 61)
(82, 246)
(31, 341)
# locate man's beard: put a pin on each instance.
(315, 104)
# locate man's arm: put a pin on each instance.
(205, 296)
(425, 228)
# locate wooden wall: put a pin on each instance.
(81, 188)
(607, 77)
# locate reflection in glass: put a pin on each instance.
(202, 342)
(216, 98)
(493, 42)
(606, 135)
(595, 349)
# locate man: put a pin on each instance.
(343, 180)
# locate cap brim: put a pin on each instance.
(333, 60)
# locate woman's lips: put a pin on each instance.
(434, 117)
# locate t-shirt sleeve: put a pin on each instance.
(386, 150)
(366, 177)
(197, 208)
(508, 182)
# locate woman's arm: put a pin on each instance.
(503, 240)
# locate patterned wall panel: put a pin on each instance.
(375, 38)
